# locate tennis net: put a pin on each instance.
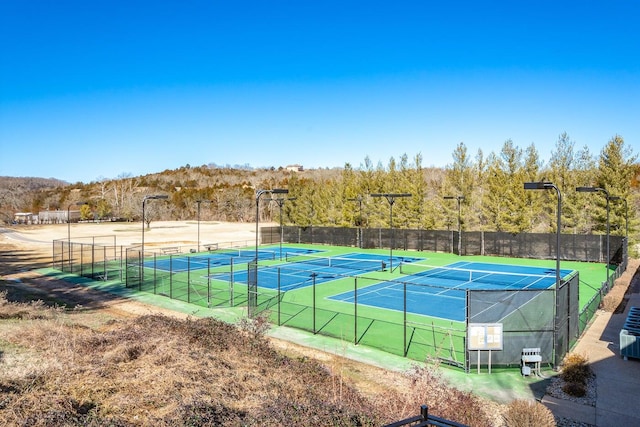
(304, 261)
(440, 274)
(246, 253)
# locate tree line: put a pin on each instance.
(489, 189)
(482, 192)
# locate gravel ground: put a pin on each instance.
(555, 389)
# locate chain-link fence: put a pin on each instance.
(532, 318)
(96, 257)
(194, 279)
(573, 247)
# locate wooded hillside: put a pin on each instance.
(485, 192)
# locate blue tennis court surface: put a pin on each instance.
(486, 276)
(303, 269)
(221, 258)
(441, 291)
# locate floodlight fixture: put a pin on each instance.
(539, 185)
(588, 189)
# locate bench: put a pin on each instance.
(211, 247)
(170, 250)
(531, 356)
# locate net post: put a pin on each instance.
(355, 310)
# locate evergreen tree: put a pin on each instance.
(478, 220)
(459, 181)
(562, 172)
(536, 207)
(504, 199)
(616, 170)
(349, 192)
(585, 173)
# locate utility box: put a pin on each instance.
(630, 335)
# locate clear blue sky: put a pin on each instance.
(97, 89)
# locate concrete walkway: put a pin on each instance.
(617, 380)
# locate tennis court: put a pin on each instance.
(441, 291)
(302, 270)
(420, 306)
(221, 258)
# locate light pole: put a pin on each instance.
(391, 198)
(280, 201)
(199, 202)
(69, 227)
(359, 200)
(459, 199)
(144, 201)
(252, 277)
(548, 186)
(626, 218)
(258, 194)
(606, 193)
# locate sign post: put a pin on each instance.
(484, 337)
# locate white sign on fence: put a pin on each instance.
(484, 337)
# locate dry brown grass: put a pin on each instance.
(614, 300)
(115, 363)
(156, 370)
(524, 413)
(28, 310)
(426, 385)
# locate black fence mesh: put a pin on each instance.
(574, 247)
(530, 318)
(97, 258)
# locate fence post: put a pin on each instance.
(313, 275)
(424, 412)
(404, 323)
(170, 276)
(209, 285)
(188, 279)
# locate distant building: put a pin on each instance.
(58, 217)
(295, 168)
(24, 218)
